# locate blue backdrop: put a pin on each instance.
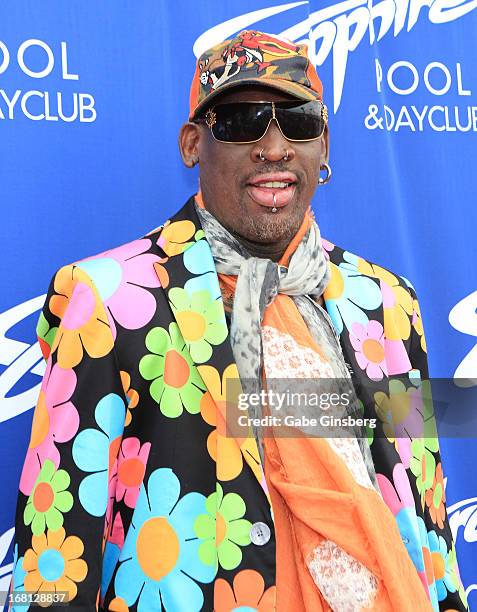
(92, 95)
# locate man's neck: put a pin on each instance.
(272, 250)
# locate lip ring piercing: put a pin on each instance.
(274, 209)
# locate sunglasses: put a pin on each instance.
(246, 122)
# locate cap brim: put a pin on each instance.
(295, 89)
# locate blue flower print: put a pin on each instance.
(91, 450)
(444, 569)
(198, 260)
(106, 273)
(110, 559)
(18, 580)
(160, 557)
(424, 538)
(348, 293)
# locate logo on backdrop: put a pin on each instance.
(6, 569)
(36, 104)
(403, 78)
(338, 29)
(463, 514)
(19, 358)
(463, 318)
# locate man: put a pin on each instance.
(133, 496)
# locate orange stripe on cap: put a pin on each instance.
(314, 79)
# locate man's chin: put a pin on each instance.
(275, 227)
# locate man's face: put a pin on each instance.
(232, 176)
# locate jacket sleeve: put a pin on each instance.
(63, 508)
(449, 593)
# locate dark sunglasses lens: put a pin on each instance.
(300, 121)
(241, 122)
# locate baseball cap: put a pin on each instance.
(253, 58)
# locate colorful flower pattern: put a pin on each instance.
(201, 320)
(349, 295)
(137, 345)
(176, 383)
(123, 276)
(160, 557)
(247, 595)
(223, 529)
(84, 327)
(55, 420)
(131, 467)
(131, 395)
(54, 563)
(368, 343)
(48, 500)
(95, 450)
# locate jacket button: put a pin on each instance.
(260, 533)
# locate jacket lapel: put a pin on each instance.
(195, 299)
(351, 297)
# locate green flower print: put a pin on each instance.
(423, 462)
(223, 529)
(369, 431)
(176, 384)
(45, 333)
(201, 320)
(48, 500)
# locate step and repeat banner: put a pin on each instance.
(92, 95)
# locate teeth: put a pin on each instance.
(276, 184)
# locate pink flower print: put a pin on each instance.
(117, 532)
(327, 247)
(368, 343)
(55, 420)
(122, 277)
(112, 485)
(131, 468)
(400, 495)
(400, 500)
(403, 447)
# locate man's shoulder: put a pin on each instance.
(123, 251)
(352, 264)
(179, 228)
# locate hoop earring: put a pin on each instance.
(262, 158)
(323, 181)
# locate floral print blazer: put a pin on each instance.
(131, 497)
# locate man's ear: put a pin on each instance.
(189, 137)
(325, 146)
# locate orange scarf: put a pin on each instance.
(338, 545)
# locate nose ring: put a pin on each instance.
(262, 157)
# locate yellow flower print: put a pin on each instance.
(224, 450)
(397, 301)
(131, 394)
(53, 563)
(84, 322)
(176, 237)
(417, 324)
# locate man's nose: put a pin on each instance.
(273, 146)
